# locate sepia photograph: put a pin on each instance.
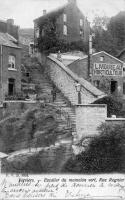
(62, 87)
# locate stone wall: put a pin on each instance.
(113, 121)
(66, 81)
(89, 118)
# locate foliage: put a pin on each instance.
(15, 97)
(117, 29)
(47, 45)
(100, 22)
(113, 106)
(105, 85)
(43, 160)
(103, 41)
(112, 38)
(104, 155)
(37, 127)
(49, 41)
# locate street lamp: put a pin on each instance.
(78, 90)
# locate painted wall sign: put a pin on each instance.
(106, 69)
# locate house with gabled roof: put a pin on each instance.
(70, 24)
(10, 62)
(106, 72)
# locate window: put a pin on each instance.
(81, 32)
(101, 58)
(11, 64)
(43, 32)
(37, 33)
(27, 74)
(64, 17)
(65, 30)
(81, 22)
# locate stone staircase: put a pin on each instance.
(45, 87)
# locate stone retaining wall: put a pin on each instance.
(66, 81)
(89, 118)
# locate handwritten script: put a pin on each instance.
(39, 187)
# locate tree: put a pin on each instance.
(105, 153)
(114, 107)
(116, 27)
(103, 41)
(100, 22)
(109, 34)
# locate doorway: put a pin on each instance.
(11, 86)
(113, 86)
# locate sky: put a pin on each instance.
(25, 11)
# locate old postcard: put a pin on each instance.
(62, 99)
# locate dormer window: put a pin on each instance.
(81, 22)
(11, 64)
(64, 17)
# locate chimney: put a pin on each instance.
(44, 12)
(72, 1)
(10, 21)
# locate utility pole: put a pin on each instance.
(1, 74)
(89, 55)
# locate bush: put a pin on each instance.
(37, 126)
(17, 96)
(105, 154)
(114, 107)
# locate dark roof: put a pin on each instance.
(49, 14)
(8, 40)
(94, 54)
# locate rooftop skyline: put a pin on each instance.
(25, 11)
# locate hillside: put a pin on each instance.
(33, 139)
(26, 35)
(29, 32)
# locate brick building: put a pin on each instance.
(10, 62)
(71, 24)
(106, 73)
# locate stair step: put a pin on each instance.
(60, 102)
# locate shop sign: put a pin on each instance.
(106, 69)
